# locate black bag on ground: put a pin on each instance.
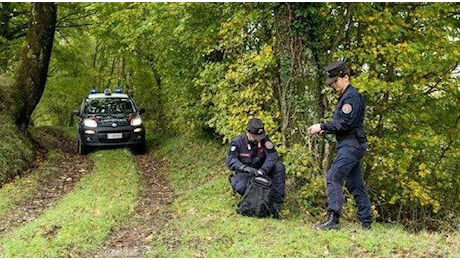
(257, 198)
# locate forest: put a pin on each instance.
(203, 69)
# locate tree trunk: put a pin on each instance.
(290, 51)
(31, 75)
(4, 29)
(160, 111)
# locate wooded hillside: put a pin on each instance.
(208, 67)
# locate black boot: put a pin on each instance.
(366, 225)
(275, 209)
(230, 178)
(332, 222)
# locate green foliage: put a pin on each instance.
(298, 37)
(306, 184)
(91, 58)
(407, 58)
(240, 86)
(61, 96)
(181, 49)
(238, 91)
(14, 21)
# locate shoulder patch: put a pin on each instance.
(347, 108)
(268, 145)
(233, 148)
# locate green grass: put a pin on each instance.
(205, 223)
(81, 220)
(22, 189)
(15, 150)
(203, 220)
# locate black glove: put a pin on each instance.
(250, 170)
(242, 168)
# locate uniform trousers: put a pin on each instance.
(346, 167)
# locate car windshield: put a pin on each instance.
(108, 106)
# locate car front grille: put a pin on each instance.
(111, 123)
(103, 136)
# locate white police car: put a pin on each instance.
(109, 120)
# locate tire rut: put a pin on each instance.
(133, 239)
(65, 173)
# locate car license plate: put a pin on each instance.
(115, 136)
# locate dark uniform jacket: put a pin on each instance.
(262, 156)
(348, 117)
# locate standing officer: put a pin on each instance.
(253, 154)
(347, 125)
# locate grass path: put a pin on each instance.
(24, 199)
(82, 219)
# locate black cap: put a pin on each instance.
(256, 128)
(335, 70)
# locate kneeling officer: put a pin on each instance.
(253, 154)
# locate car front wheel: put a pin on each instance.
(139, 149)
(82, 149)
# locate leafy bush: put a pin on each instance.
(240, 85)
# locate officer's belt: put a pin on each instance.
(356, 133)
(345, 137)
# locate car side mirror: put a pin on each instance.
(76, 112)
(141, 111)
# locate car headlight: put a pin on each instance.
(90, 123)
(136, 121)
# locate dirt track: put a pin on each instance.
(151, 213)
(130, 239)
